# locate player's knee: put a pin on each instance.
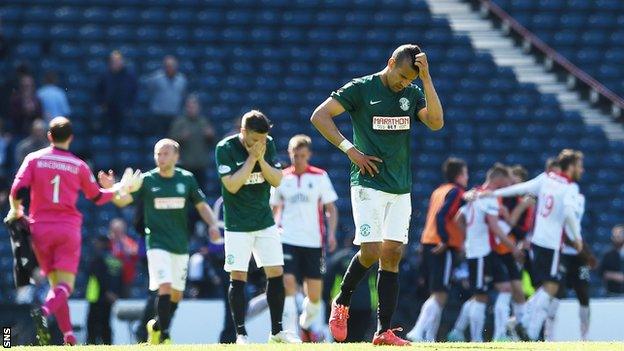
(274, 271)
(369, 254)
(237, 275)
(440, 297)
(290, 284)
(391, 256)
(164, 289)
(481, 298)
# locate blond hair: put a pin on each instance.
(167, 142)
(299, 140)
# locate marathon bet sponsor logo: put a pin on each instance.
(391, 123)
(365, 230)
(404, 104)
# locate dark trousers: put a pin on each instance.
(98, 323)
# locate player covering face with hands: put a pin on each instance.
(167, 192)
(51, 179)
(383, 107)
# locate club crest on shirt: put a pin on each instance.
(404, 104)
(365, 230)
(181, 188)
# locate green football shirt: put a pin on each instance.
(165, 209)
(248, 210)
(382, 120)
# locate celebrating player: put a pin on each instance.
(557, 194)
(167, 193)
(51, 178)
(441, 239)
(305, 194)
(248, 167)
(481, 222)
(383, 107)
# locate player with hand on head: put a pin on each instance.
(300, 203)
(248, 167)
(383, 107)
(52, 178)
(167, 192)
(441, 239)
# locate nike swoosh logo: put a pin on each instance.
(155, 189)
(374, 102)
(239, 163)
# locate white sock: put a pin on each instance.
(477, 321)
(538, 314)
(464, 317)
(518, 310)
(311, 310)
(431, 331)
(584, 316)
(501, 314)
(427, 313)
(549, 323)
(289, 318)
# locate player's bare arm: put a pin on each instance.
(432, 115)
(492, 222)
(517, 212)
(235, 181)
(206, 213)
(331, 213)
(322, 119)
(575, 230)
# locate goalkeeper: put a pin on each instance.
(167, 192)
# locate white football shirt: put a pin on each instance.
(579, 211)
(555, 192)
(302, 197)
(479, 242)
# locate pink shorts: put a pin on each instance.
(56, 246)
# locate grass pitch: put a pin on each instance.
(523, 346)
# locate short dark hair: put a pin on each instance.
(60, 129)
(551, 162)
(453, 167)
(405, 52)
(520, 172)
(568, 157)
(256, 121)
(499, 170)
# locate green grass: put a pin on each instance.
(562, 346)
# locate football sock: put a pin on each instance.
(62, 318)
(355, 272)
(163, 311)
(290, 314)
(388, 292)
(236, 297)
(464, 317)
(311, 311)
(539, 313)
(501, 314)
(56, 298)
(477, 321)
(275, 298)
(431, 332)
(518, 310)
(425, 319)
(549, 323)
(584, 316)
(173, 309)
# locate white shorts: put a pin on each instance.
(265, 244)
(166, 267)
(380, 216)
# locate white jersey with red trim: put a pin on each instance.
(302, 197)
(479, 241)
(556, 196)
(579, 211)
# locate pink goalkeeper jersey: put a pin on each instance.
(54, 177)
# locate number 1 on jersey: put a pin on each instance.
(56, 181)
